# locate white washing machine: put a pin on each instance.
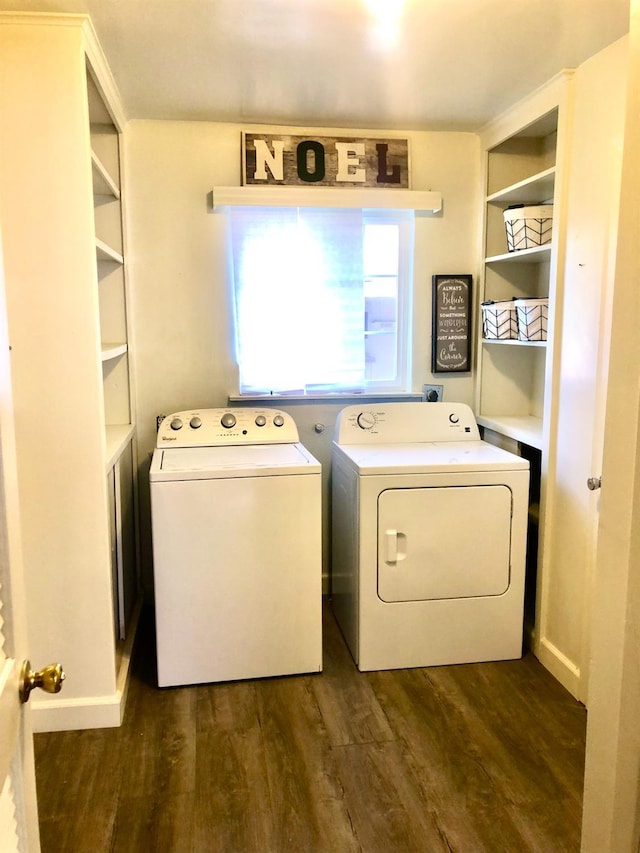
(236, 527)
(429, 537)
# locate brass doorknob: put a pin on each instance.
(48, 679)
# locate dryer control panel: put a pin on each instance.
(406, 423)
(219, 427)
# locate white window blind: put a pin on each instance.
(320, 297)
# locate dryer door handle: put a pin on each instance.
(395, 546)
(391, 543)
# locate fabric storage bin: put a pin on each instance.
(499, 321)
(533, 316)
(528, 226)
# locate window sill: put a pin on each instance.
(422, 201)
(286, 399)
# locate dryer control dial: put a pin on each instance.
(228, 420)
(366, 420)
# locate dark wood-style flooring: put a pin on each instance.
(471, 758)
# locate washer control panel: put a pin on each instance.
(405, 423)
(216, 427)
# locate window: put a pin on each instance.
(321, 299)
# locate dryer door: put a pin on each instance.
(444, 542)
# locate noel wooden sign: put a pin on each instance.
(327, 161)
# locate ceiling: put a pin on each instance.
(440, 64)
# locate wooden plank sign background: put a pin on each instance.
(326, 161)
(451, 331)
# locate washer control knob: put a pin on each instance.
(176, 424)
(228, 420)
(278, 421)
(195, 422)
(260, 420)
(454, 418)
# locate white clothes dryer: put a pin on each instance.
(429, 528)
(236, 529)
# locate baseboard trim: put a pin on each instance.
(94, 712)
(90, 712)
(126, 655)
(559, 665)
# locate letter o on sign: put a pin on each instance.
(304, 148)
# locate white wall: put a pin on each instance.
(177, 271)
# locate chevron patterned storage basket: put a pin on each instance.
(533, 315)
(528, 226)
(499, 321)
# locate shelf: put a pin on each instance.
(106, 253)
(537, 188)
(103, 183)
(118, 439)
(514, 343)
(295, 196)
(525, 429)
(113, 350)
(536, 255)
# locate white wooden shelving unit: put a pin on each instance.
(516, 380)
(112, 286)
(71, 360)
(105, 131)
(520, 168)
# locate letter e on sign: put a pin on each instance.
(349, 155)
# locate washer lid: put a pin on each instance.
(253, 460)
(429, 458)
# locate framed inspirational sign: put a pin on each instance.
(451, 331)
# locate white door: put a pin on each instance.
(611, 822)
(18, 810)
(581, 371)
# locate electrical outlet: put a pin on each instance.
(432, 393)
